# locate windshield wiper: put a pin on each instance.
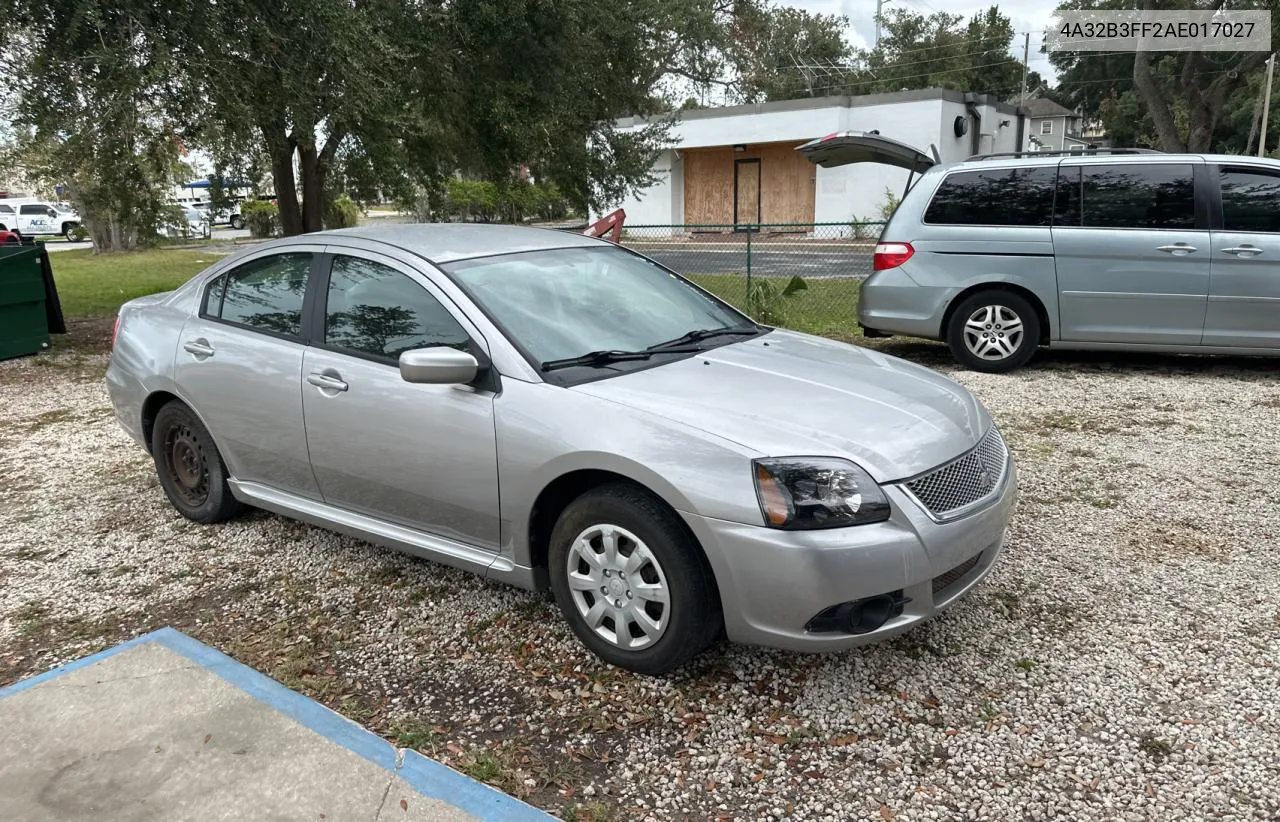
(597, 358)
(704, 334)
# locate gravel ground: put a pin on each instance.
(1120, 662)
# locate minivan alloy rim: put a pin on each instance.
(618, 587)
(993, 332)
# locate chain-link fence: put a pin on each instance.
(804, 277)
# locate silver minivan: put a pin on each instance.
(1121, 249)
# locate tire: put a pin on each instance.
(237, 222)
(994, 331)
(671, 561)
(190, 469)
(68, 232)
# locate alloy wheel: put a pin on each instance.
(618, 587)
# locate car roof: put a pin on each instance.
(449, 242)
(1052, 159)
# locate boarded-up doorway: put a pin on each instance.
(746, 194)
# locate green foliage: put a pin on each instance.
(342, 213)
(767, 41)
(513, 202)
(766, 302)
(262, 218)
(863, 230)
(889, 204)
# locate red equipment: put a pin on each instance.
(610, 224)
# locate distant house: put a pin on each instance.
(738, 165)
(1052, 127)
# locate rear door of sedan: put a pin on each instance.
(423, 456)
(239, 365)
(1244, 295)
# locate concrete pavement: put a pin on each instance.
(165, 728)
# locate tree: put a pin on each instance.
(943, 51)
(776, 51)
(95, 107)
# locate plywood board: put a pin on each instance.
(785, 184)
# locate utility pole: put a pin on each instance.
(1026, 56)
(879, 7)
(1266, 108)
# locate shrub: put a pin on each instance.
(342, 212)
(890, 204)
(78, 234)
(766, 302)
(262, 218)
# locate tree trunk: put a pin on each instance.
(1157, 105)
(286, 190)
(313, 178)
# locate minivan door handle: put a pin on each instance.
(1243, 251)
(200, 348)
(1177, 249)
(326, 382)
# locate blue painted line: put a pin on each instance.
(424, 775)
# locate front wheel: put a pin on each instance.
(994, 331)
(69, 232)
(632, 583)
(189, 467)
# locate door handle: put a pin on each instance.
(1243, 251)
(326, 382)
(200, 348)
(1177, 249)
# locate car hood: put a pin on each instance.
(789, 394)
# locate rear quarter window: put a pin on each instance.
(996, 196)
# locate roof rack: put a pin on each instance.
(1067, 152)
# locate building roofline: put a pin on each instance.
(840, 101)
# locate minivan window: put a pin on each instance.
(996, 196)
(1250, 200)
(1127, 196)
(265, 294)
(374, 310)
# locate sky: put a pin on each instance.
(1026, 16)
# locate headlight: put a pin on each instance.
(802, 493)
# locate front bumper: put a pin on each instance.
(773, 582)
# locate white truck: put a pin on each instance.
(35, 218)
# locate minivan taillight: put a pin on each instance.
(891, 255)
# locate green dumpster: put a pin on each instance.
(24, 320)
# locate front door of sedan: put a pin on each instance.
(239, 365)
(1244, 294)
(1131, 247)
(423, 456)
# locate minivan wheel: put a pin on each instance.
(632, 583)
(189, 467)
(994, 331)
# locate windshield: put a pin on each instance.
(568, 302)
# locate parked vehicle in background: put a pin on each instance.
(222, 216)
(1127, 250)
(36, 218)
(552, 410)
(188, 223)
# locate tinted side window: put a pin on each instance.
(265, 294)
(376, 310)
(1004, 196)
(1250, 200)
(1137, 196)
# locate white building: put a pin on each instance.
(738, 165)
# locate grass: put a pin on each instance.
(95, 286)
(828, 306)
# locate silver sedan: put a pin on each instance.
(556, 411)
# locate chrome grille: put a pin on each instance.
(963, 481)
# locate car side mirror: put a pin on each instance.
(438, 365)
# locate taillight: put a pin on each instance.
(891, 255)
(115, 330)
